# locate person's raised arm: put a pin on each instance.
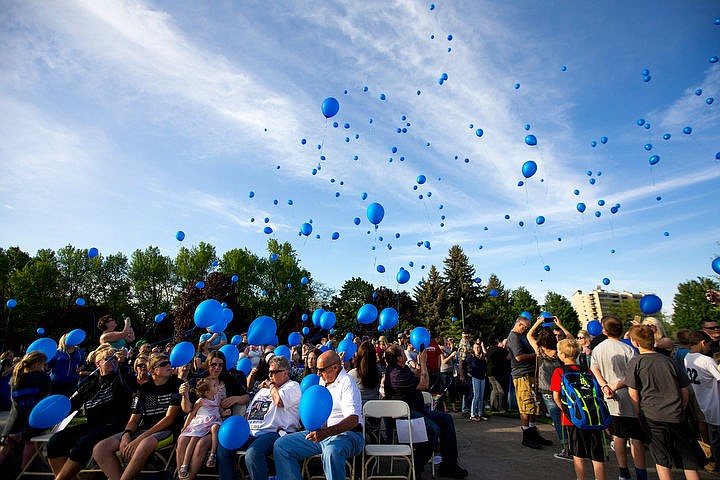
(531, 334)
(567, 333)
(424, 377)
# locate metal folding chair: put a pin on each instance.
(375, 452)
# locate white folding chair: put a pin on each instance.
(40, 444)
(394, 409)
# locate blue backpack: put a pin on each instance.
(583, 401)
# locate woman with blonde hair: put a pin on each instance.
(29, 385)
(64, 368)
(657, 327)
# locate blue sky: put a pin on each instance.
(124, 122)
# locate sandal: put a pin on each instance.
(183, 471)
(212, 460)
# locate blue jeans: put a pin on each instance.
(257, 450)
(291, 449)
(476, 409)
(555, 412)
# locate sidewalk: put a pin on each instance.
(492, 450)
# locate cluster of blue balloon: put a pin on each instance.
(213, 315)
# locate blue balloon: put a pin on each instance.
(262, 331)
(236, 340)
(305, 330)
(75, 337)
(79, 302)
(327, 321)
(12, 303)
(304, 280)
(493, 293)
(349, 347)
(402, 276)
(315, 407)
(304, 317)
(716, 265)
(540, 220)
(388, 318)
(46, 346)
(244, 365)
(687, 130)
(335, 235)
(356, 220)
(207, 313)
(529, 168)
(234, 432)
(294, 339)
(421, 179)
(182, 354)
(603, 140)
(453, 319)
(227, 315)
(308, 381)
(180, 235)
(49, 412)
(159, 318)
(282, 351)
(375, 213)
(200, 285)
(234, 278)
(526, 315)
(531, 140)
(594, 328)
(316, 316)
(546, 268)
(580, 207)
(231, 355)
(479, 132)
(306, 229)
(650, 304)
(380, 268)
(420, 338)
(546, 314)
(330, 107)
(93, 252)
(606, 281)
(653, 160)
(267, 230)
(367, 314)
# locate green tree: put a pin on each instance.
(193, 264)
(495, 314)
(153, 281)
(561, 307)
(75, 279)
(463, 294)
(626, 311)
(522, 301)
(431, 300)
(112, 284)
(354, 294)
(691, 306)
(403, 304)
(12, 261)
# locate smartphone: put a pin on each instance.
(422, 347)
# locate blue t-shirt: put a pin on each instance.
(220, 338)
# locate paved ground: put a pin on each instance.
(492, 450)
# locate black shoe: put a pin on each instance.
(451, 471)
(529, 440)
(536, 436)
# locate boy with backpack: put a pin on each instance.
(659, 393)
(584, 411)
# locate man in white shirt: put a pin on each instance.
(274, 411)
(340, 439)
(705, 380)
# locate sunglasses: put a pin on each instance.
(716, 327)
(275, 372)
(581, 337)
(164, 363)
(217, 364)
(322, 370)
(141, 365)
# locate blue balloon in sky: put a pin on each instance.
(421, 179)
(207, 313)
(402, 276)
(182, 354)
(531, 140)
(420, 338)
(93, 252)
(650, 304)
(529, 168)
(330, 107)
(12, 303)
(540, 220)
(380, 268)
(367, 314)
(375, 213)
(388, 318)
(716, 265)
(317, 314)
(305, 330)
(180, 235)
(306, 229)
(262, 331)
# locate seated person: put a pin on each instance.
(213, 341)
(155, 417)
(105, 400)
(274, 409)
(401, 383)
(340, 439)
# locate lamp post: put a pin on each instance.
(462, 312)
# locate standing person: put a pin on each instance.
(340, 440)
(583, 444)
(545, 346)
(476, 369)
(107, 325)
(497, 359)
(584, 339)
(155, 417)
(448, 370)
(705, 380)
(29, 385)
(367, 374)
(609, 366)
(659, 394)
(105, 399)
(64, 368)
(522, 369)
(274, 411)
(712, 328)
(434, 359)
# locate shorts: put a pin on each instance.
(627, 427)
(586, 444)
(77, 442)
(674, 445)
(525, 395)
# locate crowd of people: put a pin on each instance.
(134, 402)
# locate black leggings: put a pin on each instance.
(77, 442)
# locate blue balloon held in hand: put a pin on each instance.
(594, 328)
(308, 381)
(234, 432)
(262, 331)
(244, 365)
(49, 412)
(420, 338)
(207, 313)
(75, 337)
(182, 354)
(315, 407)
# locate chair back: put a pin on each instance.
(386, 408)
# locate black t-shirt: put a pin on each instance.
(497, 361)
(401, 384)
(518, 345)
(152, 402)
(106, 399)
(475, 367)
(658, 380)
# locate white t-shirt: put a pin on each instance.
(704, 377)
(611, 357)
(264, 416)
(346, 399)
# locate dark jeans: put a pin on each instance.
(440, 427)
(77, 442)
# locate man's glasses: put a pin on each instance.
(217, 365)
(321, 370)
(275, 372)
(164, 363)
(716, 327)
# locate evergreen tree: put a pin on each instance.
(354, 293)
(431, 300)
(496, 313)
(522, 301)
(463, 293)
